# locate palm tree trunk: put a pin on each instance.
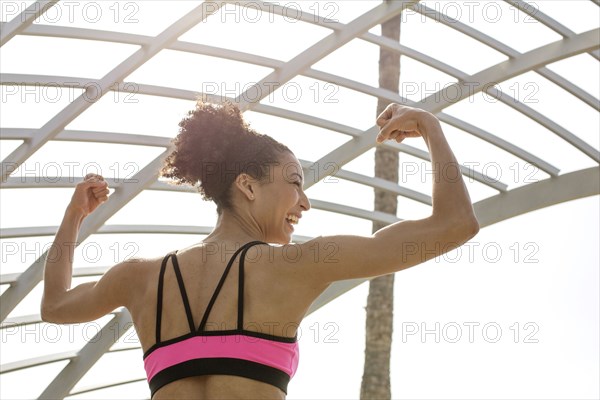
(380, 302)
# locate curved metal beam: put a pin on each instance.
(319, 50)
(500, 143)
(20, 320)
(8, 233)
(548, 21)
(48, 359)
(19, 23)
(79, 365)
(7, 279)
(89, 136)
(546, 122)
(538, 195)
(470, 172)
(284, 11)
(538, 15)
(15, 182)
(531, 60)
(573, 89)
(377, 216)
(67, 32)
(307, 119)
(508, 51)
(94, 92)
(109, 385)
(383, 184)
(32, 362)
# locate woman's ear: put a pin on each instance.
(246, 185)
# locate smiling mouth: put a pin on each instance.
(292, 219)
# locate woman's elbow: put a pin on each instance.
(469, 227)
(49, 312)
(463, 229)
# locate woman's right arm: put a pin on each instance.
(411, 242)
(91, 300)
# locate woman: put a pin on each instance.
(198, 340)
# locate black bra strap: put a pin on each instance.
(186, 303)
(240, 320)
(220, 285)
(161, 278)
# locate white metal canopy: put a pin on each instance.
(506, 201)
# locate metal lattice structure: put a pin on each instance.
(506, 201)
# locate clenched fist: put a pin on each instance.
(397, 122)
(89, 194)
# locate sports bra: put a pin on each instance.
(255, 355)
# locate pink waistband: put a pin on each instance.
(281, 355)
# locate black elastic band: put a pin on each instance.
(240, 320)
(161, 277)
(220, 366)
(186, 303)
(220, 285)
(217, 290)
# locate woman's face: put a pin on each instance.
(280, 200)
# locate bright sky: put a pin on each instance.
(516, 310)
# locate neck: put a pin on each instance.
(234, 228)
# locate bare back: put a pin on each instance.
(268, 309)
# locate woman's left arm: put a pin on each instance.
(91, 300)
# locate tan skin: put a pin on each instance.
(259, 212)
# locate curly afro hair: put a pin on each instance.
(214, 146)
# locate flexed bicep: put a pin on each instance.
(394, 248)
(92, 300)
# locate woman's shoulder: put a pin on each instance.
(137, 270)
